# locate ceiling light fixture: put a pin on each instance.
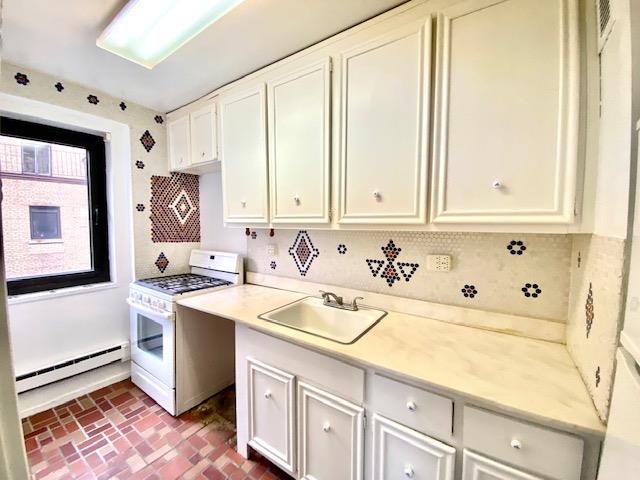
(148, 31)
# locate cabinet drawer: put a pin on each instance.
(476, 466)
(416, 408)
(401, 452)
(547, 452)
(271, 413)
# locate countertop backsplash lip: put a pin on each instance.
(518, 325)
(521, 274)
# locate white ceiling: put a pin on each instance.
(58, 38)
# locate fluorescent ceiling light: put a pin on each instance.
(148, 31)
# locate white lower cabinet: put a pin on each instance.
(400, 452)
(330, 436)
(477, 467)
(271, 413)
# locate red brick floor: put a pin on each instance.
(120, 432)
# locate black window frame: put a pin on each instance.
(97, 202)
(42, 209)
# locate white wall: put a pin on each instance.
(213, 234)
(50, 327)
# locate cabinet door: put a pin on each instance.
(401, 452)
(329, 436)
(384, 128)
(179, 140)
(203, 135)
(299, 148)
(506, 116)
(271, 413)
(243, 152)
(477, 467)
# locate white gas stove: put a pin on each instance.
(161, 336)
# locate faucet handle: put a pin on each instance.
(354, 302)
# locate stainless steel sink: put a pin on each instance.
(310, 315)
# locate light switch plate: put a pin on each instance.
(439, 263)
(272, 249)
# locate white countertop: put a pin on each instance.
(529, 378)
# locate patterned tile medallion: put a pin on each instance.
(93, 100)
(162, 262)
(254, 235)
(273, 265)
(589, 310)
(147, 141)
(303, 252)
(516, 247)
(123, 106)
(175, 208)
(140, 207)
(342, 249)
(469, 291)
(159, 119)
(389, 271)
(21, 79)
(59, 87)
(532, 290)
(140, 164)
(118, 432)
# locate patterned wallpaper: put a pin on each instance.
(522, 274)
(595, 312)
(166, 210)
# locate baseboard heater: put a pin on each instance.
(71, 367)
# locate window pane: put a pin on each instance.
(45, 222)
(45, 218)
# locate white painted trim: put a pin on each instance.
(60, 292)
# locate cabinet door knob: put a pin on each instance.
(243, 203)
(203, 154)
(408, 471)
(497, 184)
(411, 406)
(296, 199)
(376, 195)
(517, 444)
(326, 427)
(267, 394)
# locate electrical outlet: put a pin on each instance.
(272, 250)
(439, 263)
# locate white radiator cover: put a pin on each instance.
(72, 366)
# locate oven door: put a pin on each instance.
(153, 342)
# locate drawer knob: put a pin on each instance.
(326, 427)
(203, 154)
(267, 394)
(296, 199)
(497, 184)
(411, 406)
(517, 444)
(377, 195)
(408, 471)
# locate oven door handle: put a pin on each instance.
(148, 311)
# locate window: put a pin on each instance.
(45, 223)
(36, 159)
(54, 207)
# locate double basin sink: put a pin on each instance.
(312, 315)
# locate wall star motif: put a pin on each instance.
(386, 268)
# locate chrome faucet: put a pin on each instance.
(338, 302)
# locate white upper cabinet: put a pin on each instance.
(384, 116)
(179, 143)
(203, 134)
(506, 113)
(243, 152)
(299, 145)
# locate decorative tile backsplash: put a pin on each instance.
(175, 208)
(485, 272)
(595, 312)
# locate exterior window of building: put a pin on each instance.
(45, 223)
(36, 159)
(54, 207)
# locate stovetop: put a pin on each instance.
(183, 283)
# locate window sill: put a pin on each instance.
(47, 241)
(61, 292)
